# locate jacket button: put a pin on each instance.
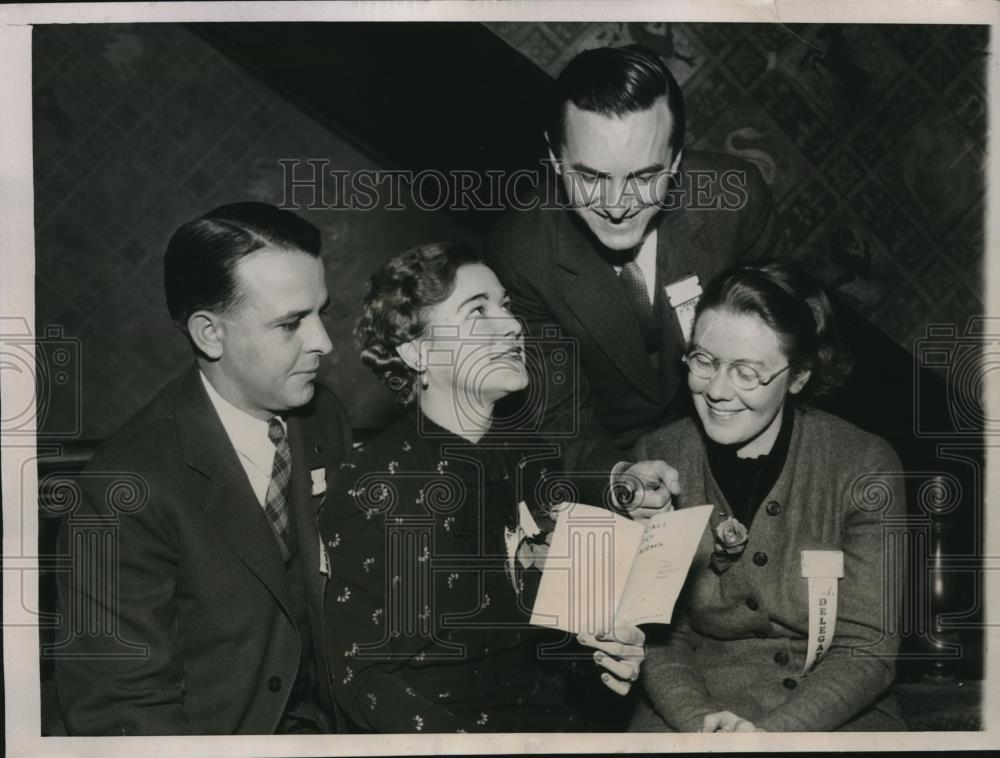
(752, 604)
(759, 558)
(781, 658)
(274, 683)
(773, 508)
(789, 684)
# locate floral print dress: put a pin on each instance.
(426, 615)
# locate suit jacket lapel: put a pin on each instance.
(304, 506)
(595, 297)
(229, 500)
(305, 446)
(677, 254)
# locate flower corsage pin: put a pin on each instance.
(730, 541)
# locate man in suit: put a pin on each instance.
(608, 265)
(197, 608)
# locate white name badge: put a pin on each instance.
(526, 529)
(683, 296)
(822, 569)
(525, 520)
(318, 478)
(324, 559)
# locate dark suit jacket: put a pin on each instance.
(739, 641)
(178, 619)
(552, 266)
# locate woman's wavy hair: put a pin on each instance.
(799, 312)
(400, 294)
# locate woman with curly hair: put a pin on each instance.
(790, 610)
(436, 527)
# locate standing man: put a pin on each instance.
(616, 248)
(200, 613)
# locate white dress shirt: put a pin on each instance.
(248, 436)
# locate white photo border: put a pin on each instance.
(19, 481)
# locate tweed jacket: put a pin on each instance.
(739, 641)
(597, 390)
(200, 636)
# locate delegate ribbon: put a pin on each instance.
(683, 297)
(822, 568)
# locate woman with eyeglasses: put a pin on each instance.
(788, 620)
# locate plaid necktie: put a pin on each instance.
(635, 285)
(275, 503)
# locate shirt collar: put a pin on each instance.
(247, 434)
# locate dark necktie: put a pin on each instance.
(275, 503)
(635, 286)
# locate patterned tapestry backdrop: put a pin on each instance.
(137, 129)
(871, 137)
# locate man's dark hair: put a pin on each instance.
(199, 265)
(614, 81)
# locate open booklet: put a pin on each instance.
(604, 570)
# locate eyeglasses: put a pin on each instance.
(741, 375)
